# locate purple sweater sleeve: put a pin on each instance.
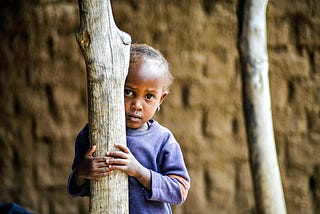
(81, 146)
(172, 182)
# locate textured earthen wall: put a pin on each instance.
(43, 98)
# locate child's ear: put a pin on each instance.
(163, 96)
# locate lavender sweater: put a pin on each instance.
(157, 150)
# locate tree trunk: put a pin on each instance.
(269, 195)
(106, 51)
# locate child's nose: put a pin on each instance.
(136, 105)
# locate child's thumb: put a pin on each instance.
(91, 151)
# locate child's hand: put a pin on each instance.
(93, 167)
(124, 161)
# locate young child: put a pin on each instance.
(152, 158)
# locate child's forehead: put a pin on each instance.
(144, 83)
(144, 77)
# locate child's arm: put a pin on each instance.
(85, 167)
(170, 186)
(88, 168)
(172, 183)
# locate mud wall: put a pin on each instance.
(43, 98)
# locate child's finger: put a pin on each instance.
(123, 148)
(116, 154)
(99, 160)
(91, 151)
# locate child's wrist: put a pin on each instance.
(144, 177)
(79, 181)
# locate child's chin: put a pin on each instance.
(133, 125)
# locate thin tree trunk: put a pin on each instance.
(106, 51)
(269, 195)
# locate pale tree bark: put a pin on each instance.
(269, 195)
(106, 51)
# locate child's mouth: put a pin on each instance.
(134, 118)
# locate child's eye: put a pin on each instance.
(149, 96)
(128, 92)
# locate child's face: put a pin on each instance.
(143, 93)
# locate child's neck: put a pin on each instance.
(144, 127)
